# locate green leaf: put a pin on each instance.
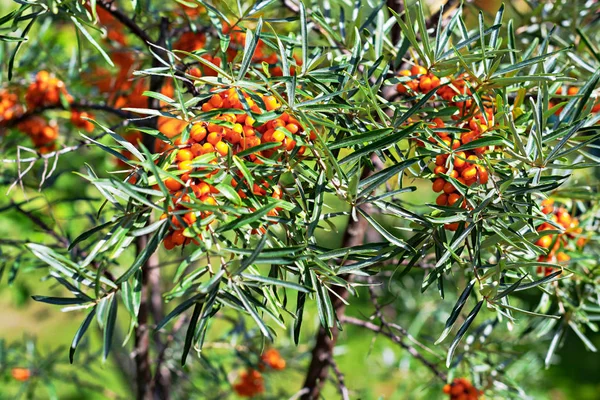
(461, 332)
(252, 311)
(109, 328)
(145, 254)
(189, 335)
(460, 303)
(89, 37)
(80, 332)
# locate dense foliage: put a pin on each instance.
(203, 157)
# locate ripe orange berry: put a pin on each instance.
(482, 174)
(441, 200)
(438, 185)
(168, 242)
(172, 184)
(460, 159)
(440, 169)
(418, 70)
(197, 133)
(185, 166)
(469, 173)
(562, 257)
(452, 226)
(425, 83)
(213, 138)
(453, 198)
(278, 136)
(449, 188)
(21, 374)
(190, 218)
(178, 237)
(222, 148)
(544, 241)
(184, 155)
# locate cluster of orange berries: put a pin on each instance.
(251, 381)
(78, 120)
(225, 133)
(10, 107)
(46, 91)
(464, 166)
(571, 91)
(462, 389)
(423, 81)
(557, 243)
(21, 374)
(43, 133)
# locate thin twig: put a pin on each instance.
(340, 379)
(126, 21)
(398, 340)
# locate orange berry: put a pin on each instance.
(441, 200)
(184, 155)
(438, 185)
(190, 218)
(418, 70)
(168, 242)
(197, 133)
(178, 237)
(460, 159)
(451, 227)
(544, 241)
(222, 148)
(449, 188)
(469, 173)
(425, 83)
(21, 374)
(185, 165)
(439, 170)
(213, 138)
(172, 184)
(278, 136)
(453, 198)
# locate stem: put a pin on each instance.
(398, 340)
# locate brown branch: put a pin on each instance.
(82, 105)
(398, 340)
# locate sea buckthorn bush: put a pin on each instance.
(286, 199)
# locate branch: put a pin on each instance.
(398, 340)
(82, 105)
(126, 21)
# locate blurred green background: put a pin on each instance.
(374, 367)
